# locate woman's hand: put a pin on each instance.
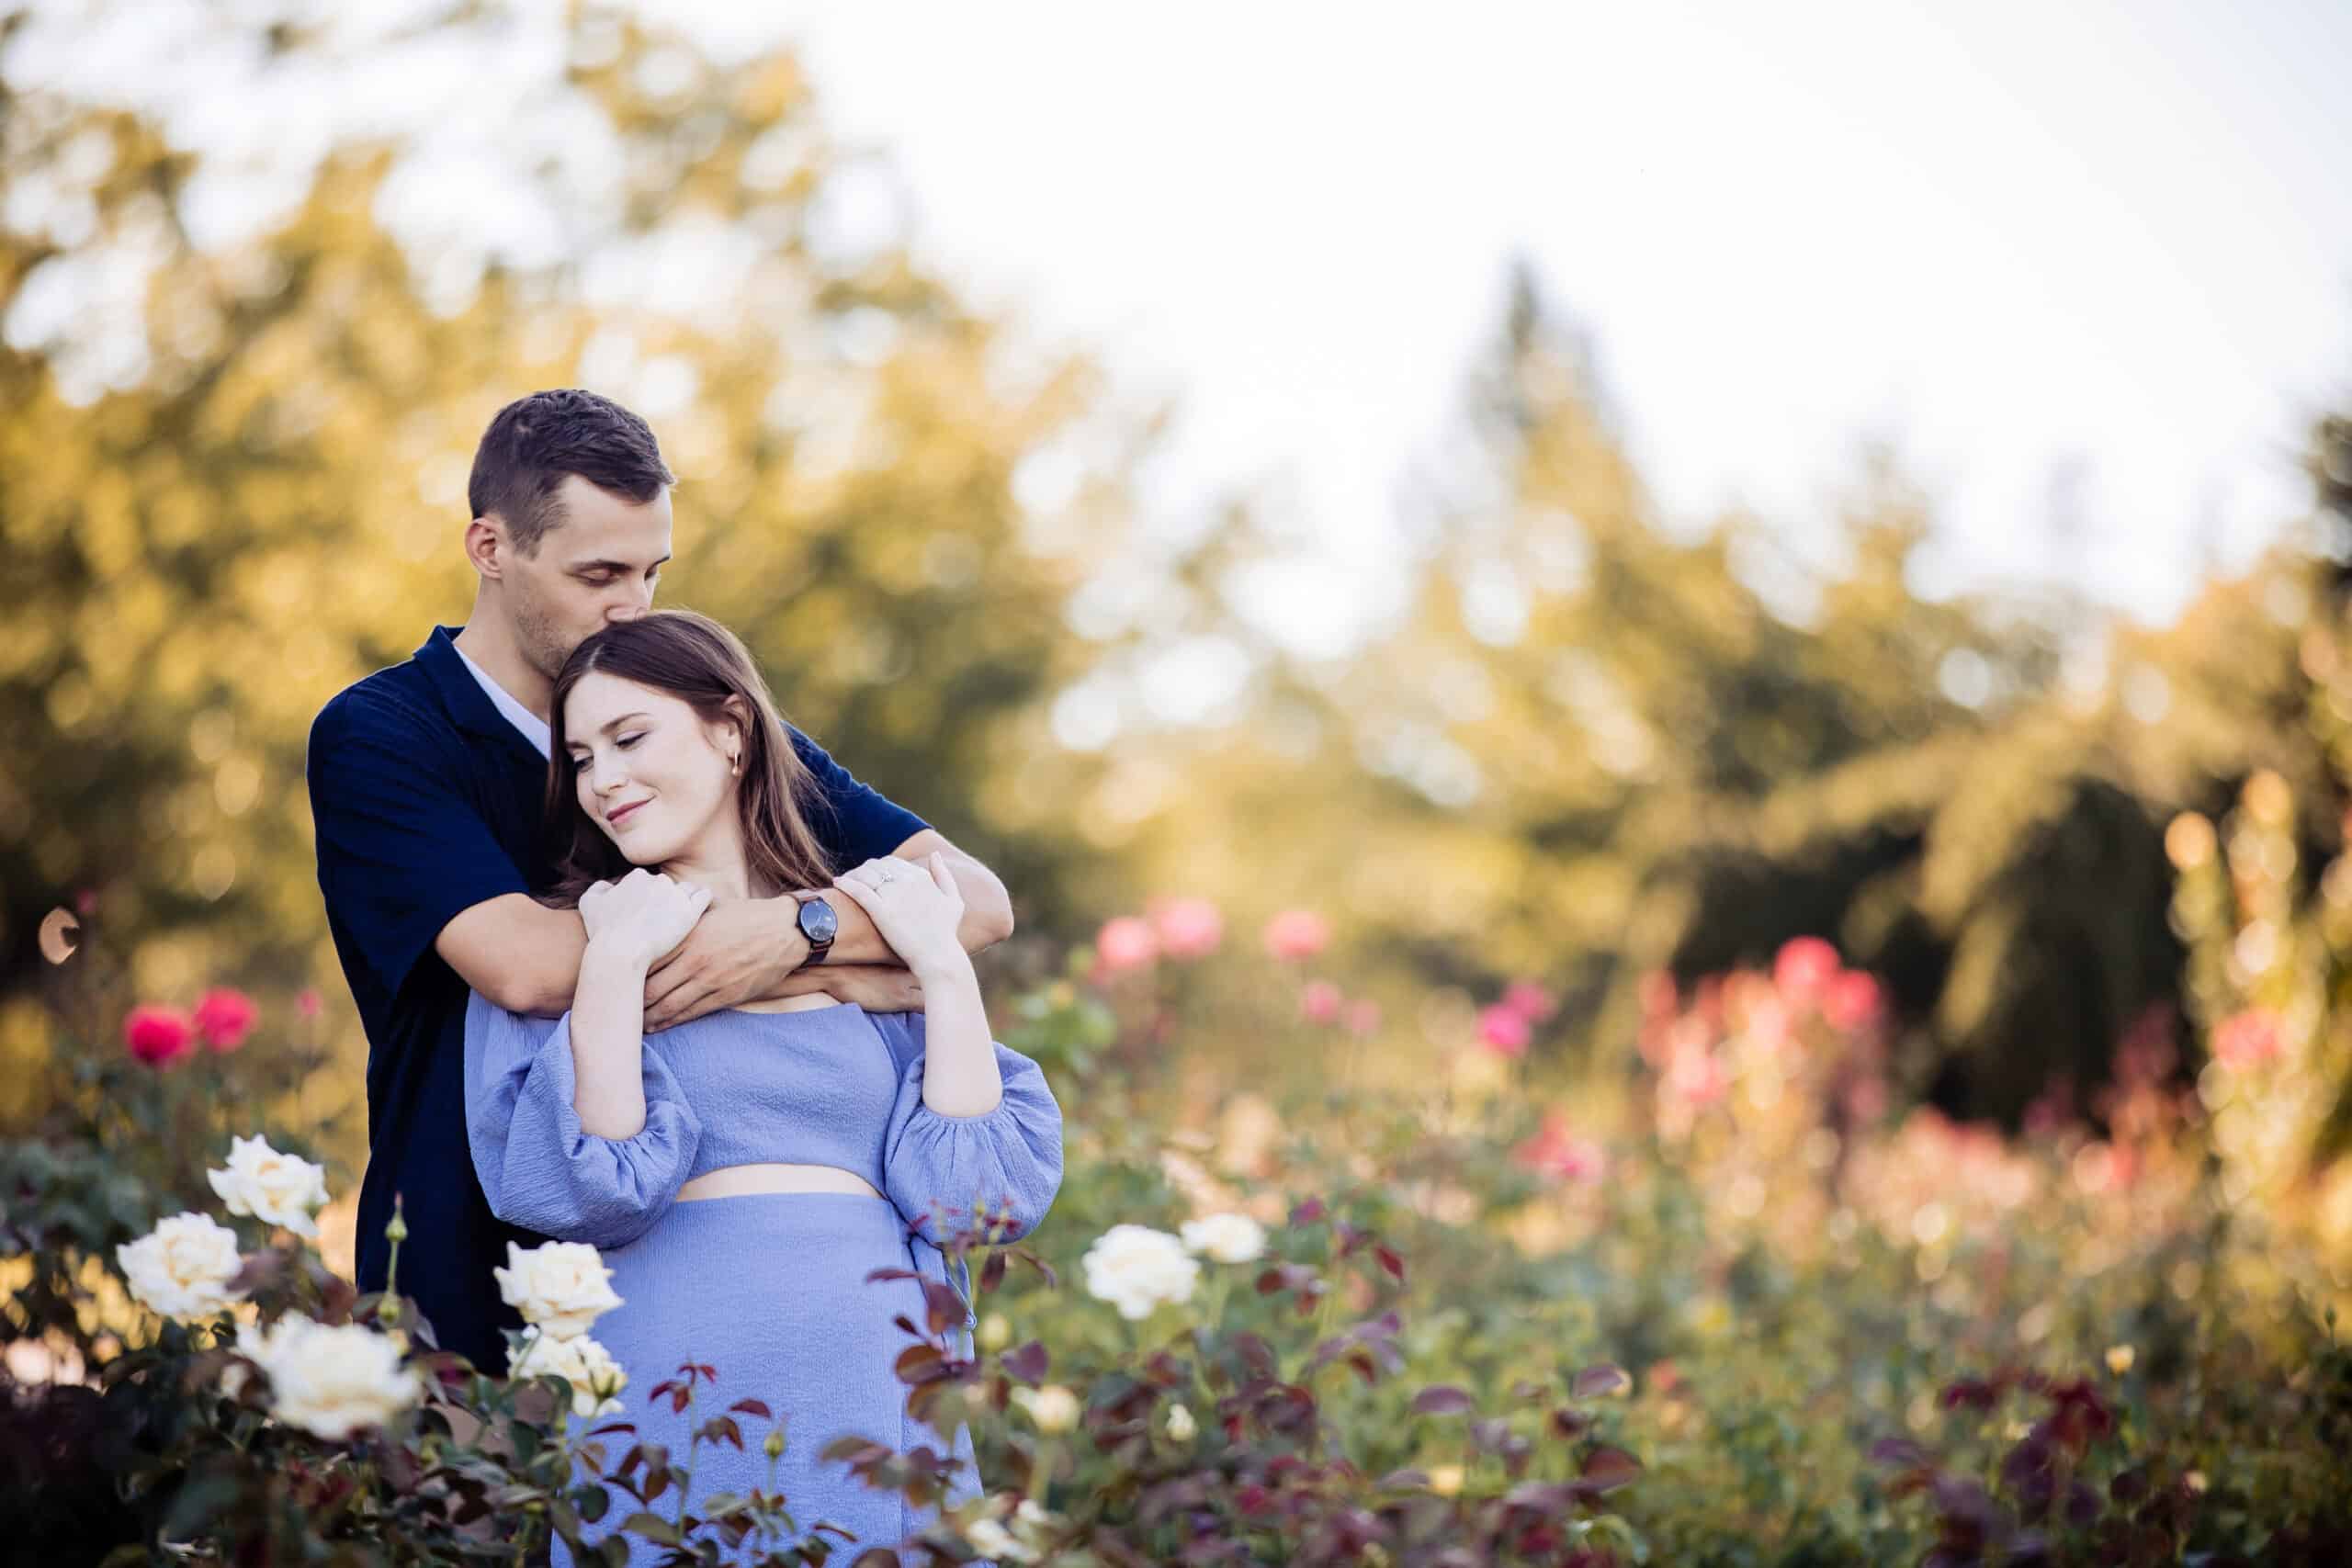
(916, 908)
(638, 918)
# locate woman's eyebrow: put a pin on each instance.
(608, 727)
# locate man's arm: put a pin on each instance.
(404, 854)
(987, 909)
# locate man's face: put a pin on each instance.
(595, 565)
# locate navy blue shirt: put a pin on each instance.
(427, 802)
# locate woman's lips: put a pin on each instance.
(615, 819)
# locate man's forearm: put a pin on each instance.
(988, 918)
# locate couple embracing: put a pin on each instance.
(641, 966)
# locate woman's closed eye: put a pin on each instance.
(580, 759)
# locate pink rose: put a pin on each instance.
(1319, 1002)
(1503, 1032)
(308, 1004)
(1530, 1001)
(224, 1017)
(1853, 1002)
(158, 1035)
(1363, 1018)
(2247, 1039)
(1297, 934)
(1660, 997)
(1804, 966)
(1125, 942)
(1695, 1076)
(1556, 1152)
(1189, 928)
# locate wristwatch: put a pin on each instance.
(817, 923)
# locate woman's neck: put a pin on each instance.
(718, 866)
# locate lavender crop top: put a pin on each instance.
(832, 1085)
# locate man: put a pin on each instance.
(426, 783)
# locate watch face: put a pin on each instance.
(818, 922)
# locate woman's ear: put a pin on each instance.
(734, 737)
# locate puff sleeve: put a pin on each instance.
(539, 1168)
(936, 1167)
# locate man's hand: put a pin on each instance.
(738, 951)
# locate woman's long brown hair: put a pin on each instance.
(703, 664)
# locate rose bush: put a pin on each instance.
(1745, 1306)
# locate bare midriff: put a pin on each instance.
(729, 1180)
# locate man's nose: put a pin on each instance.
(634, 601)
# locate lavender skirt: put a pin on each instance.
(769, 1290)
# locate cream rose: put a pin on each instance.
(581, 1362)
(182, 1268)
(993, 1540)
(277, 1189)
(1053, 1408)
(1181, 1424)
(562, 1286)
(1136, 1268)
(331, 1380)
(1226, 1238)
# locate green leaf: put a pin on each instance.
(652, 1527)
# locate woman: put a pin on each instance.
(743, 1172)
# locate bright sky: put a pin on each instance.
(2012, 234)
(2104, 237)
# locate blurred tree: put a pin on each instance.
(233, 478)
(1590, 749)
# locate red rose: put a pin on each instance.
(224, 1017)
(158, 1035)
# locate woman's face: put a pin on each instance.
(647, 768)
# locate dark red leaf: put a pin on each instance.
(1443, 1399)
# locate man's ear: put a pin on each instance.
(486, 545)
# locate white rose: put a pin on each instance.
(279, 1189)
(562, 1286)
(1228, 1239)
(1053, 1408)
(182, 1268)
(991, 1539)
(331, 1380)
(1181, 1424)
(587, 1366)
(1136, 1268)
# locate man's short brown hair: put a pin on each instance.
(535, 441)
